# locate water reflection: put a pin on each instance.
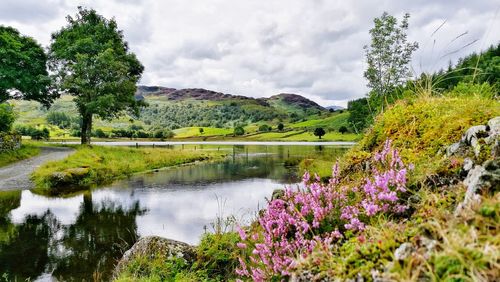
(80, 238)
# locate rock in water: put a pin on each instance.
(156, 247)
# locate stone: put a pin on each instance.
(452, 149)
(494, 126)
(429, 246)
(473, 133)
(468, 164)
(156, 247)
(404, 251)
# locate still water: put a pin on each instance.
(81, 237)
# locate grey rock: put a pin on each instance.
(404, 251)
(452, 149)
(156, 247)
(429, 245)
(473, 133)
(472, 181)
(494, 126)
(468, 164)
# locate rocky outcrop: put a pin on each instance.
(153, 247)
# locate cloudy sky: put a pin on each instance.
(261, 48)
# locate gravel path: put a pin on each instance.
(16, 176)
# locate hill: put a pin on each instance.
(185, 111)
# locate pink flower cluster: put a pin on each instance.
(319, 215)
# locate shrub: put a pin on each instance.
(264, 128)
(343, 129)
(7, 117)
(281, 127)
(319, 215)
(239, 131)
(99, 133)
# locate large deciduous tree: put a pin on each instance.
(389, 54)
(93, 63)
(23, 68)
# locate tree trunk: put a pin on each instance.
(86, 128)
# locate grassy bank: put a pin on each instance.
(98, 165)
(26, 151)
(420, 128)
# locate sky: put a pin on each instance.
(264, 47)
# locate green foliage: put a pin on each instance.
(343, 129)
(264, 128)
(475, 68)
(280, 126)
(388, 55)
(59, 119)
(201, 130)
(238, 131)
(217, 255)
(97, 165)
(23, 68)
(7, 117)
(93, 63)
(33, 132)
(319, 131)
(26, 151)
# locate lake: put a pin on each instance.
(81, 237)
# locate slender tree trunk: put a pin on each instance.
(86, 128)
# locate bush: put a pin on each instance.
(99, 133)
(281, 127)
(264, 128)
(33, 132)
(319, 215)
(239, 131)
(7, 117)
(343, 129)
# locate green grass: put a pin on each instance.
(335, 122)
(97, 165)
(188, 132)
(26, 151)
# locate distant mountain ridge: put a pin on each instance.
(209, 95)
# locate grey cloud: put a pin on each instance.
(29, 11)
(263, 48)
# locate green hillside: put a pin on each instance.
(180, 114)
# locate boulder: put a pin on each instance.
(494, 126)
(156, 247)
(404, 251)
(473, 133)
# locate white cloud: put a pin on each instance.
(261, 48)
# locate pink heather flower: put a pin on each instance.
(242, 233)
(294, 225)
(241, 245)
(370, 208)
(306, 177)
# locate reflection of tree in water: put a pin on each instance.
(98, 238)
(24, 254)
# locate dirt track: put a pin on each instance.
(16, 176)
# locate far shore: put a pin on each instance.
(167, 143)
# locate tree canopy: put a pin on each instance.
(319, 131)
(23, 69)
(93, 63)
(388, 55)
